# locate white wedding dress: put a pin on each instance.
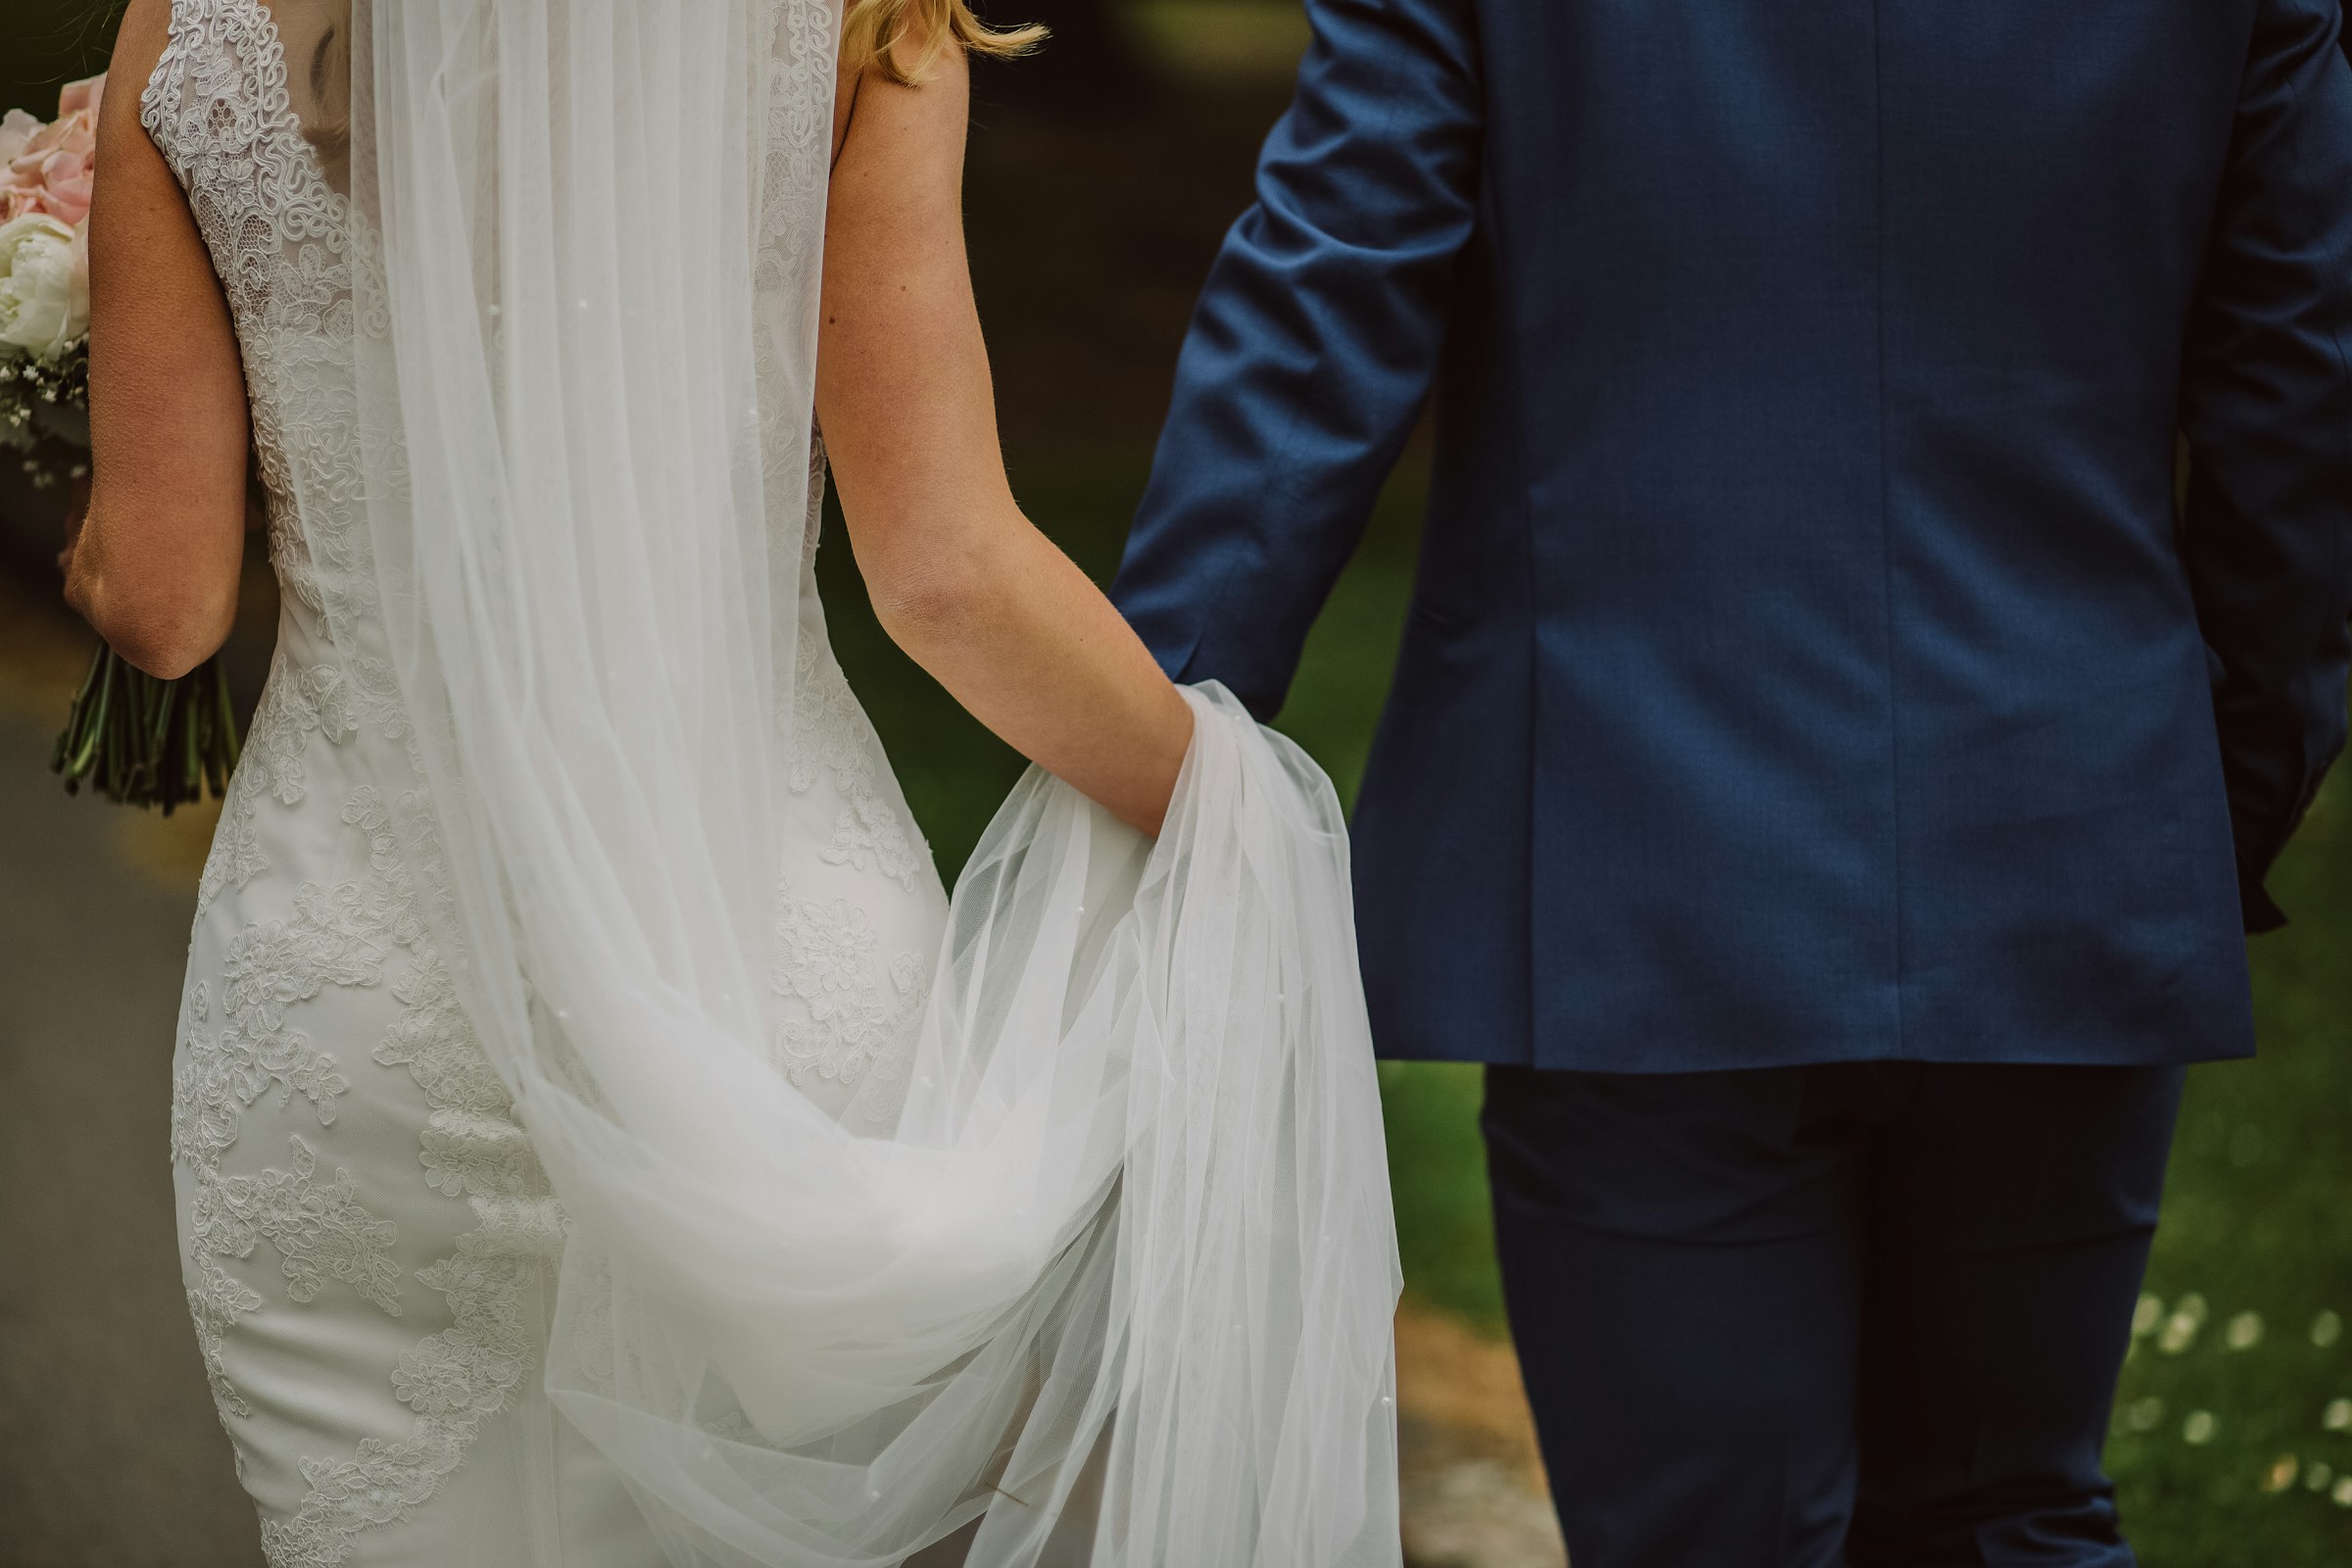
(366, 1237)
(936, 1227)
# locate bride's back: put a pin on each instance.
(250, 105)
(228, 114)
(331, 1097)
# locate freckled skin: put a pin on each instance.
(961, 579)
(155, 568)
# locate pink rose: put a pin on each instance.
(48, 168)
(82, 97)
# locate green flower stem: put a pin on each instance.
(141, 741)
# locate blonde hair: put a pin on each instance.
(331, 85)
(325, 111)
(905, 38)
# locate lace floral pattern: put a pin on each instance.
(835, 738)
(318, 1229)
(859, 1009)
(346, 936)
(452, 1381)
(832, 736)
(853, 1011)
(217, 106)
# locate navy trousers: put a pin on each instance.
(1860, 1314)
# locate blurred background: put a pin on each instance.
(1103, 174)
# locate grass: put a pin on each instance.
(2232, 1441)
(2223, 1448)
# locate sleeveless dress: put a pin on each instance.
(368, 1242)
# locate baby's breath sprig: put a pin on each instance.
(44, 412)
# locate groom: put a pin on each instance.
(1825, 773)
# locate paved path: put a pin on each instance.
(110, 1454)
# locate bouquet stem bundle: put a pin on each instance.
(141, 741)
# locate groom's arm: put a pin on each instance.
(1312, 348)
(2267, 407)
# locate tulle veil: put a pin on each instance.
(1117, 1288)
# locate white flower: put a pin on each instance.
(2324, 1329)
(2181, 1329)
(2245, 1331)
(2337, 1417)
(2198, 1428)
(44, 286)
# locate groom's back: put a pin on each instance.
(1806, 661)
(1830, 261)
(1770, 286)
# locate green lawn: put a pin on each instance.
(2223, 1447)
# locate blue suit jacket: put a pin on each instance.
(1808, 659)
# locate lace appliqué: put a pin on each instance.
(317, 1230)
(802, 57)
(452, 1381)
(832, 736)
(470, 1146)
(298, 702)
(215, 1301)
(858, 1011)
(345, 935)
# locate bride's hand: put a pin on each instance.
(960, 578)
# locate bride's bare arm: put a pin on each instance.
(961, 579)
(156, 568)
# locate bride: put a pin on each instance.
(597, 1139)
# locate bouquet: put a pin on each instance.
(133, 738)
(45, 284)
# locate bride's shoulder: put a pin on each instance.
(139, 43)
(893, 46)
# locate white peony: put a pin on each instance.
(44, 286)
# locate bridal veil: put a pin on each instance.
(1117, 1289)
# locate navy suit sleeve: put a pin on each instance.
(2266, 407)
(1312, 348)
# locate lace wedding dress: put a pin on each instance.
(366, 1237)
(844, 1222)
